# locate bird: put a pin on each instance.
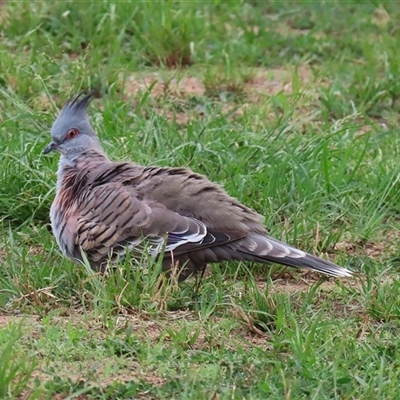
(104, 210)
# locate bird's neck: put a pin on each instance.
(86, 161)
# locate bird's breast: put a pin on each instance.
(63, 214)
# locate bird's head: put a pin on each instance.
(71, 133)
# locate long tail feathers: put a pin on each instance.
(264, 249)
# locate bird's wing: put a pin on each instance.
(185, 192)
(193, 195)
(111, 219)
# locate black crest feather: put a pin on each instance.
(81, 102)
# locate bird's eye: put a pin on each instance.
(72, 133)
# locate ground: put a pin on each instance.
(294, 111)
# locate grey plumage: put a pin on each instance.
(105, 208)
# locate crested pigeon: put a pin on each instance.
(104, 209)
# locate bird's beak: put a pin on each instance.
(50, 147)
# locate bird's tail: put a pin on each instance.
(261, 248)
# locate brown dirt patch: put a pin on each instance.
(304, 280)
(137, 85)
(187, 86)
(270, 82)
(6, 319)
(167, 85)
(3, 12)
(372, 249)
(42, 102)
(302, 285)
(286, 30)
(381, 17)
(362, 130)
(131, 373)
(262, 83)
(181, 118)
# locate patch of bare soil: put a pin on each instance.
(181, 118)
(187, 86)
(363, 129)
(265, 82)
(296, 286)
(372, 249)
(6, 319)
(42, 102)
(381, 17)
(269, 82)
(287, 30)
(132, 373)
(3, 13)
(137, 85)
(167, 85)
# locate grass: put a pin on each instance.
(292, 111)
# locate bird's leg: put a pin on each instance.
(203, 271)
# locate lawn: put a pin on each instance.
(293, 107)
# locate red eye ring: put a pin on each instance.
(72, 133)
